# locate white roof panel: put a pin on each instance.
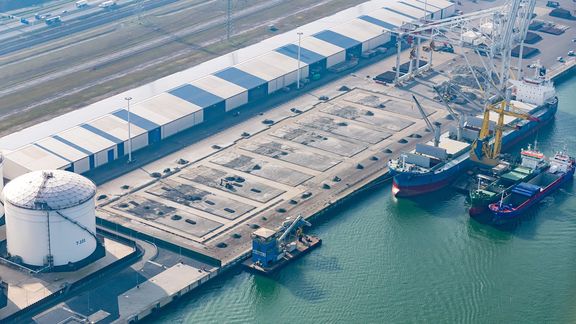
(319, 46)
(116, 127)
(61, 149)
(407, 10)
(35, 158)
(164, 108)
(422, 5)
(81, 138)
(265, 67)
(439, 3)
(359, 30)
(390, 17)
(285, 63)
(218, 87)
(260, 69)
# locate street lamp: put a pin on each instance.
(129, 131)
(299, 49)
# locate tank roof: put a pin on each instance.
(49, 190)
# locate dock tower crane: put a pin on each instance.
(496, 32)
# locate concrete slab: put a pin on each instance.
(232, 183)
(344, 128)
(368, 116)
(262, 168)
(190, 196)
(375, 100)
(280, 151)
(312, 138)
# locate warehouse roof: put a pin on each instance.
(113, 128)
(218, 86)
(441, 4)
(262, 70)
(241, 78)
(135, 119)
(283, 62)
(381, 23)
(407, 10)
(401, 12)
(419, 5)
(389, 16)
(359, 30)
(428, 3)
(337, 39)
(83, 140)
(61, 149)
(319, 46)
(35, 157)
(307, 56)
(270, 66)
(164, 108)
(197, 96)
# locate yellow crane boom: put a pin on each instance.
(480, 151)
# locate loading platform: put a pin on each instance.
(309, 243)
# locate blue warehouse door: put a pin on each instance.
(111, 155)
(154, 136)
(92, 161)
(120, 149)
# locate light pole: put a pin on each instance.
(129, 131)
(299, 49)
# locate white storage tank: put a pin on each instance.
(50, 218)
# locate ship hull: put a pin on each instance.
(409, 184)
(500, 217)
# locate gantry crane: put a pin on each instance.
(494, 31)
(481, 151)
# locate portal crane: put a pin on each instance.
(480, 151)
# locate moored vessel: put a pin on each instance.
(503, 178)
(429, 168)
(526, 194)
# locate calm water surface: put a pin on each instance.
(415, 261)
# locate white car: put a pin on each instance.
(571, 53)
(560, 59)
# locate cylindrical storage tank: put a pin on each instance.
(50, 218)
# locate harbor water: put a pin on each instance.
(419, 260)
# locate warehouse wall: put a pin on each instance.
(237, 101)
(335, 59)
(375, 42)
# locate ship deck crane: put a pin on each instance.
(289, 227)
(432, 127)
(445, 102)
(481, 151)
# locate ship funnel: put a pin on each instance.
(437, 132)
(461, 122)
